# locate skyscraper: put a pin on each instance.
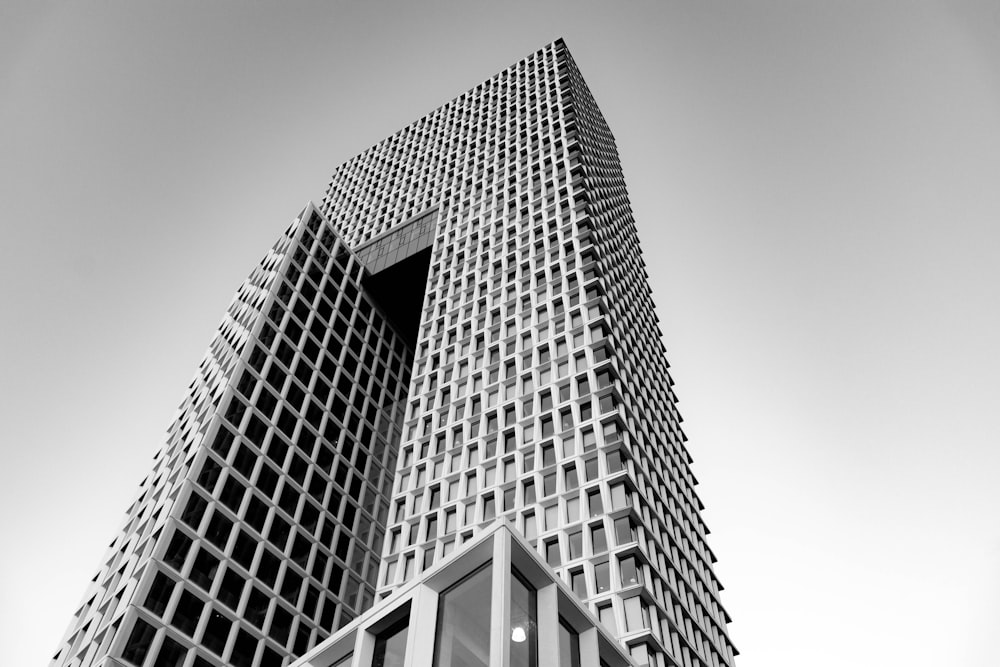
(461, 333)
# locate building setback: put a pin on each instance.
(462, 333)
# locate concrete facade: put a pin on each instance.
(461, 333)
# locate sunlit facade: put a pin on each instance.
(461, 333)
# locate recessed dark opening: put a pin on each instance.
(399, 290)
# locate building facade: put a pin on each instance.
(462, 333)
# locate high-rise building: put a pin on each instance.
(461, 334)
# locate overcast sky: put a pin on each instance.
(816, 189)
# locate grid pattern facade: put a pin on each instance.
(326, 456)
(264, 520)
(526, 400)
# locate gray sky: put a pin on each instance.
(815, 185)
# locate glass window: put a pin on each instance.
(188, 613)
(523, 623)
(576, 545)
(138, 642)
(569, 646)
(171, 654)
(390, 645)
(598, 538)
(159, 593)
(607, 615)
(463, 634)
(624, 532)
(552, 553)
(602, 575)
(631, 572)
(578, 582)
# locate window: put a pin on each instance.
(606, 613)
(624, 530)
(569, 646)
(578, 582)
(188, 613)
(552, 553)
(216, 633)
(138, 642)
(159, 593)
(523, 623)
(204, 569)
(602, 575)
(390, 645)
(576, 545)
(631, 571)
(598, 538)
(463, 634)
(619, 497)
(171, 654)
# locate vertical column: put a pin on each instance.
(500, 604)
(423, 628)
(548, 625)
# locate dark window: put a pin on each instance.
(270, 657)
(232, 494)
(288, 500)
(231, 589)
(138, 642)
(302, 639)
(218, 530)
(216, 633)
(223, 440)
(278, 533)
(256, 610)
(290, 586)
(256, 430)
(267, 480)
(187, 613)
(266, 401)
(281, 625)
(244, 461)
(244, 649)
(194, 510)
(244, 549)
(171, 654)
(329, 610)
(209, 475)
(159, 594)
(256, 514)
(267, 569)
(300, 550)
(204, 569)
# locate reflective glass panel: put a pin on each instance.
(463, 628)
